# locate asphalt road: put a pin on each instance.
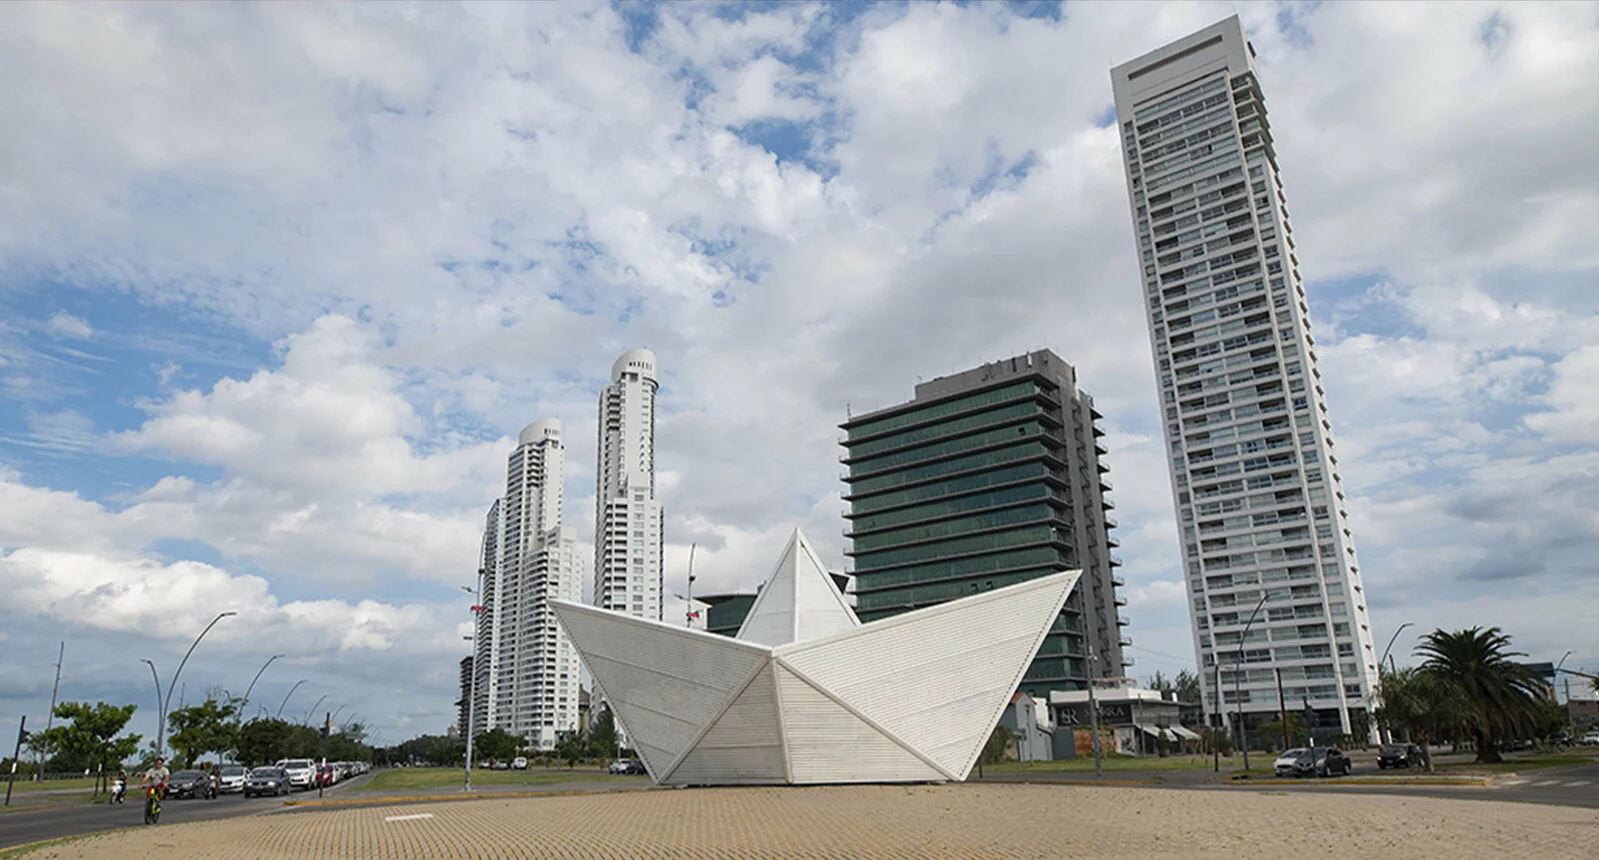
(33, 825)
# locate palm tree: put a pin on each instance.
(1421, 706)
(1499, 696)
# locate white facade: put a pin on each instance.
(485, 654)
(912, 698)
(533, 678)
(1249, 444)
(628, 519)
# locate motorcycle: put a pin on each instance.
(119, 790)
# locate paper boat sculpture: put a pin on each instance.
(805, 693)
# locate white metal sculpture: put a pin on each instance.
(807, 694)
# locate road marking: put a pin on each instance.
(1546, 782)
(1577, 783)
(1514, 782)
(408, 817)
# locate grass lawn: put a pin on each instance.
(1117, 763)
(53, 784)
(450, 777)
(1513, 765)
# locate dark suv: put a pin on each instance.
(1399, 755)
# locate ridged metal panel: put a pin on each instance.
(743, 747)
(938, 678)
(798, 602)
(829, 744)
(665, 682)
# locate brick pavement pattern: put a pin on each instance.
(922, 821)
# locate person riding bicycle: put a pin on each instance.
(157, 776)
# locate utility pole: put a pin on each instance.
(1221, 719)
(50, 718)
(21, 736)
(1282, 709)
(327, 722)
(1093, 712)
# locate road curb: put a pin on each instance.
(1473, 781)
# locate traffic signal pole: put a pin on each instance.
(22, 735)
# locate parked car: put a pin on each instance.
(301, 771)
(232, 777)
(637, 768)
(1590, 739)
(189, 783)
(265, 781)
(1331, 761)
(620, 766)
(1399, 755)
(519, 763)
(324, 775)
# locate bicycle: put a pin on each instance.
(152, 804)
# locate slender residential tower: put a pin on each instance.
(628, 520)
(1254, 474)
(534, 669)
(485, 656)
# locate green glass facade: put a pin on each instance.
(986, 479)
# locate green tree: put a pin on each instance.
(1421, 707)
(572, 747)
(89, 741)
(1160, 683)
(1188, 689)
(495, 744)
(997, 749)
(1500, 696)
(263, 741)
(602, 735)
(203, 728)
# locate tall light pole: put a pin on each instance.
(160, 713)
(307, 720)
(161, 735)
(1093, 709)
(246, 702)
(1390, 647)
(471, 685)
(688, 612)
(1391, 670)
(1238, 676)
(279, 714)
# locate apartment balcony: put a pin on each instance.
(1107, 504)
(1099, 447)
(1110, 522)
(1105, 486)
(1122, 621)
(1111, 541)
(1128, 661)
(1125, 641)
(1115, 560)
(1120, 600)
(1117, 581)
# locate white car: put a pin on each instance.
(301, 771)
(519, 763)
(1590, 739)
(231, 778)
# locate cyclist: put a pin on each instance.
(155, 778)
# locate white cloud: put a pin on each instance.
(1574, 398)
(67, 325)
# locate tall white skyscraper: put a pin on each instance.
(533, 679)
(628, 520)
(485, 656)
(1254, 471)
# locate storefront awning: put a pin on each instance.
(1185, 734)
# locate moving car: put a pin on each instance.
(301, 771)
(1302, 761)
(189, 783)
(1399, 755)
(233, 777)
(266, 781)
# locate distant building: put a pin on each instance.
(726, 612)
(533, 676)
(463, 705)
(628, 521)
(1255, 477)
(984, 479)
(1139, 718)
(485, 654)
(1032, 728)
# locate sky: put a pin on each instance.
(279, 284)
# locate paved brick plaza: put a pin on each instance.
(977, 821)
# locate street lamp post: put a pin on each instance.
(161, 735)
(160, 714)
(245, 704)
(1238, 675)
(307, 720)
(279, 714)
(688, 612)
(1093, 710)
(476, 590)
(1391, 670)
